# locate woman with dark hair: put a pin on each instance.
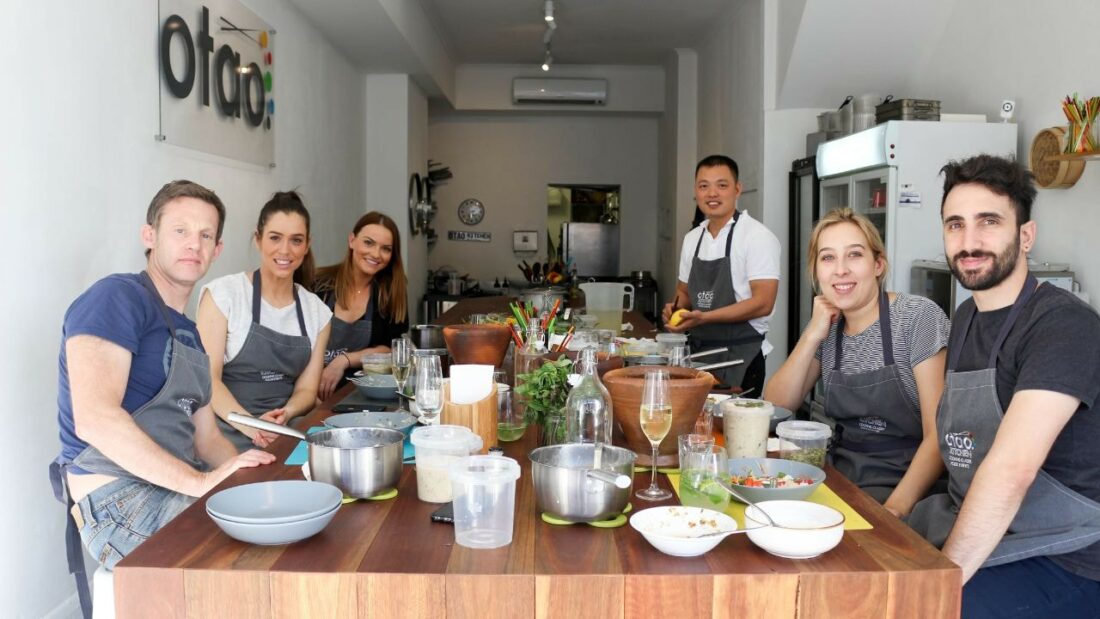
(367, 295)
(264, 331)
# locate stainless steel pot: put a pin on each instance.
(544, 298)
(568, 487)
(362, 462)
(427, 336)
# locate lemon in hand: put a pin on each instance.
(677, 317)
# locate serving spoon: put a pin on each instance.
(728, 487)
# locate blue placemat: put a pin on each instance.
(300, 455)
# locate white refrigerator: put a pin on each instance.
(891, 174)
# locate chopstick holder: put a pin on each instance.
(480, 416)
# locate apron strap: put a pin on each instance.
(74, 550)
(1030, 284)
(729, 239)
(884, 329)
(148, 283)
(256, 297)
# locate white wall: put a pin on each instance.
(981, 59)
(79, 166)
(507, 160)
(396, 133)
(678, 156)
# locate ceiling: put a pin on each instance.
(632, 32)
(593, 32)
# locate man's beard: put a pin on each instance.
(1003, 265)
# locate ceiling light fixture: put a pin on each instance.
(547, 60)
(548, 11)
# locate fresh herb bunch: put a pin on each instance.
(545, 390)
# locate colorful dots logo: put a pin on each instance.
(269, 62)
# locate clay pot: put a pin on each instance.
(483, 344)
(688, 389)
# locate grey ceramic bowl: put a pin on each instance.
(401, 421)
(376, 386)
(275, 534)
(274, 502)
(774, 466)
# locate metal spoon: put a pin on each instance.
(728, 487)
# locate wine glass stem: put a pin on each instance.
(653, 476)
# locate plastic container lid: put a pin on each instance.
(746, 406)
(485, 470)
(803, 430)
(445, 438)
(672, 338)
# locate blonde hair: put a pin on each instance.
(870, 233)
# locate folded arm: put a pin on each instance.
(1030, 426)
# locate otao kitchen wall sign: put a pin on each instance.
(216, 66)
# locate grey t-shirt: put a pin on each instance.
(920, 330)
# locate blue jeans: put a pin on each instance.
(124, 513)
(1030, 588)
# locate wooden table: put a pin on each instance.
(386, 559)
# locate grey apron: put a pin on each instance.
(166, 419)
(263, 373)
(710, 285)
(1052, 518)
(877, 433)
(344, 336)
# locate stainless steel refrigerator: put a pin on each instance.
(592, 248)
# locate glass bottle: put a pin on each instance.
(588, 417)
(527, 360)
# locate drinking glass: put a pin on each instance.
(678, 357)
(700, 469)
(510, 427)
(655, 416)
(399, 357)
(429, 386)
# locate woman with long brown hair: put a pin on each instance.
(367, 294)
(264, 331)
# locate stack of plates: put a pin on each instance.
(274, 512)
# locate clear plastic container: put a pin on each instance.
(804, 441)
(484, 490)
(437, 449)
(668, 341)
(376, 363)
(745, 422)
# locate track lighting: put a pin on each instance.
(548, 11)
(547, 60)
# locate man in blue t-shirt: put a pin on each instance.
(138, 437)
(1017, 423)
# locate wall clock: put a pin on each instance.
(471, 211)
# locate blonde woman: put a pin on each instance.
(880, 358)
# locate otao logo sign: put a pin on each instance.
(216, 65)
(240, 89)
(704, 300)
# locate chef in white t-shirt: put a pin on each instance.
(728, 280)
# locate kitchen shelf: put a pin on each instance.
(1094, 155)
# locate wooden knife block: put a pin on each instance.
(480, 416)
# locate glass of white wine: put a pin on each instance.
(399, 358)
(429, 386)
(656, 420)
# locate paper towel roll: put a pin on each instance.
(470, 383)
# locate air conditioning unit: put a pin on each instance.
(558, 90)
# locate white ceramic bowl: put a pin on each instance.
(675, 530)
(805, 529)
